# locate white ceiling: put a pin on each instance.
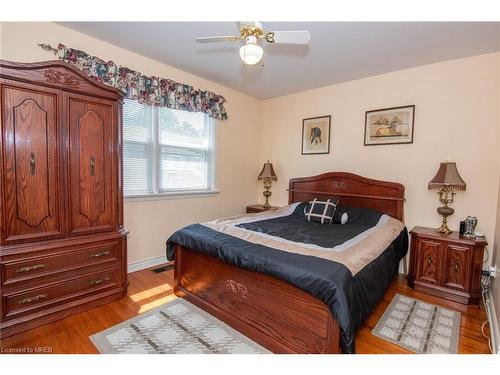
(338, 51)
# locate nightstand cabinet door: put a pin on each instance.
(456, 266)
(429, 262)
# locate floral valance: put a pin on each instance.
(145, 89)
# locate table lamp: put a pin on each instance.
(448, 181)
(267, 175)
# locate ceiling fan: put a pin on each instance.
(252, 32)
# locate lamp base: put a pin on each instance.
(267, 193)
(445, 211)
(444, 228)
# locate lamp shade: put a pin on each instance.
(447, 176)
(267, 172)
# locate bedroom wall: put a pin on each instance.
(151, 222)
(457, 104)
(496, 250)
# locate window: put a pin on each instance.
(166, 151)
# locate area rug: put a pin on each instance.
(419, 326)
(175, 327)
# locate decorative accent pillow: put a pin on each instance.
(340, 216)
(320, 211)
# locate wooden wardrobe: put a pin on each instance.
(62, 241)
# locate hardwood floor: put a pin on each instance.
(471, 340)
(148, 289)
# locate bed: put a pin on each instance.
(293, 311)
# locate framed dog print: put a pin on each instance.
(316, 135)
(389, 126)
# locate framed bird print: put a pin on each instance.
(316, 135)
(389, 126)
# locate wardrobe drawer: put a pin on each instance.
(42, 297)
(61, 261)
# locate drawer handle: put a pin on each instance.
(31, 268)
(33, 299)
(99, 254)
(457, 266)
(32, 164)
(92, 166)
(99, 281)
(429, 259)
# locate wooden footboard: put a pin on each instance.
(273, 313)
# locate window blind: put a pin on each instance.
(166, 150)
(137, 148)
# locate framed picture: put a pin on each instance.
(389, 126)
(316, 135)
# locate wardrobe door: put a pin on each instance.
(92, 165)
(30, 164)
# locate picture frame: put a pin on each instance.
(390, 126)
(316, 135)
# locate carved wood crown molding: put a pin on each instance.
(56, 76)
(340, 185)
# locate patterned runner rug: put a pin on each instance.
(419, 326)
(175, 327)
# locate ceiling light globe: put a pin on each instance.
(251, 53)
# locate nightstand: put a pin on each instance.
(259, 208)
(447, 266)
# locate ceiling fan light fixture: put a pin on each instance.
(251, 53)
(251, 32)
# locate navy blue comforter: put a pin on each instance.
(351, 298)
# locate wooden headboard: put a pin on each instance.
(351, 190)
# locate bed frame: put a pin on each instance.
(272, 312)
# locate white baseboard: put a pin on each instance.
(492, 318)
(147, 263)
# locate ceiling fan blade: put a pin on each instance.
(288, 37)
(208, 39)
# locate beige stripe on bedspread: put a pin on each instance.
(355, 254)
